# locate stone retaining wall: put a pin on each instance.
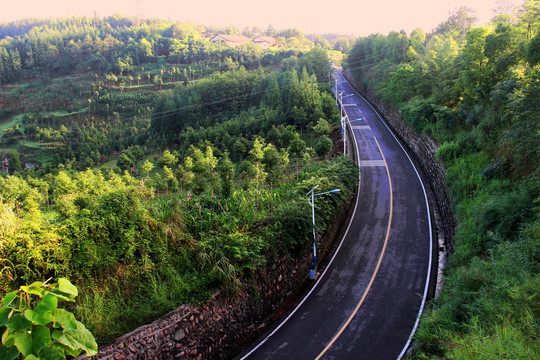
(213, 330)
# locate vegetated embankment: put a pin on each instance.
(220, 328)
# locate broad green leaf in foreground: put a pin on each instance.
(67, 287)
(8, 299)
(65, 319)
(40, 338)
(18, 322)
(4, 316)
(8, 354)
(40, 316)
(80, 338)
(51, 353)
(35, 288)
(23, 342)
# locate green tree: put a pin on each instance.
(257, 154)
(14, 162)
(272, 165)
(297, 146)
(240, 148)
(124, 162)
(458, 23)
(324, 146)
(136, 153)
(529, 15)
(274, 95)
(226, 172)
(147, 167)
(170, 179)
(158, 81)
(203, 168)
(475, 60)
(322, 127)
(168, 159)
(533, 50)
(418, 40)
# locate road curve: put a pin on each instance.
(366, 303)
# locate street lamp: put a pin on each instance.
(344, 120)
(341, 104)
(336, 91)
(344, 133)
(311, 201)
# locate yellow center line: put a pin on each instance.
(378, 262)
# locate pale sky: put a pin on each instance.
(311, 16)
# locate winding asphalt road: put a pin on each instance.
(366, 303)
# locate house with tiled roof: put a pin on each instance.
(233, 40)
(265, 41)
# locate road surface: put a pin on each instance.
(366, 303)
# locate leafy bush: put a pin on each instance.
(291, 225)
(324, 146)
(447, 152)
(464, 178)
(505, 213)
(418, 114)
(135, 257)
(26, 323)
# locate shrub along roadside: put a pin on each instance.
(135, 257)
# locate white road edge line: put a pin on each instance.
(424, 297)
(324, 272)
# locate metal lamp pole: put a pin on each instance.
(344, 120)
(343, 124)
(311, 200)
(336, 91)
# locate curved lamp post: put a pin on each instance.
(344, 120)
(311, 200)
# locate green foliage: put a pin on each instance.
(322, 127)
(226, 171)
(324, 146)
(20, 193)
(297, 146)
(490, 304)
(149, 231)
(318, 63)
(124, 162)
(291, 224)
(135, 256)
(14, 162)
(273, 163)
(168, 159)
(34, 326)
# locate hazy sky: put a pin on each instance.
(344, 16)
